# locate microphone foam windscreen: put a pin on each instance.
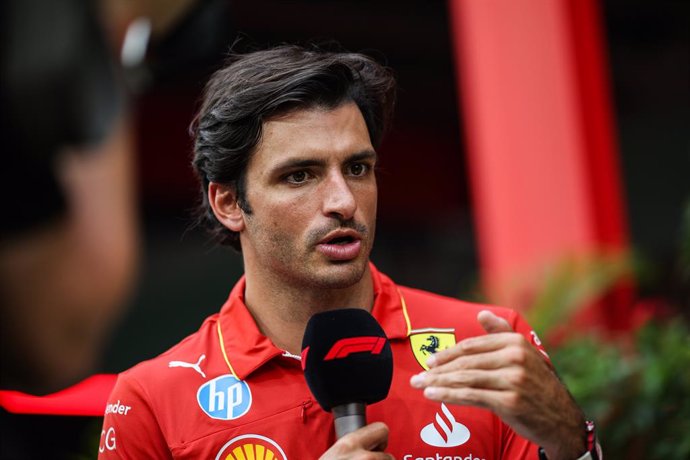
(346, 358)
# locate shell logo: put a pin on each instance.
(251, 447)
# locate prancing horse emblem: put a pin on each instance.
(432, 347)
(426, 342)
(195, 366)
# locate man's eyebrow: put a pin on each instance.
(363, 155)
(309, 162)
(298, 163)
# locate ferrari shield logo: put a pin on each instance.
(426, 342)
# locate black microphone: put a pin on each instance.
(347, 363)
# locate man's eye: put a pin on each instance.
(358, 169)
(297, 177)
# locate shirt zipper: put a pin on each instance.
(303, 413)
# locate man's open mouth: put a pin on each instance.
(341, 245)
(341, 240)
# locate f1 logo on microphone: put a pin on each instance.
(345, 347)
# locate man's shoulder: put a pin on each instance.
(423, 306)
(418, 298)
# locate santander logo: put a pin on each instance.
(445, 431)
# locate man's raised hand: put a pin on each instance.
(502, 372)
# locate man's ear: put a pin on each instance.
(223, 201)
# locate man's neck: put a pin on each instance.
(281, 309)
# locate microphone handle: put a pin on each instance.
(348, 418)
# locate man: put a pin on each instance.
(68, 236)
(286, 149)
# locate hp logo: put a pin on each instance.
(224, 398)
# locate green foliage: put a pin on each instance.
(637, 387)
(638, 392)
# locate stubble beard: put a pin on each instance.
(305, 268)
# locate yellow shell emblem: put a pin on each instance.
(251, 447)
(426, 342)
(252, 452)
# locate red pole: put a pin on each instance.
(541, 145)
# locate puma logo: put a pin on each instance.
(194, 366)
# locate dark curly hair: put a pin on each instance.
(252, 88)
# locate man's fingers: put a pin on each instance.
(492, 323)
(483, 344)
(510, 376)
(367, 443)
(370, 437)
(500, 334)
(495, 380)
(373, 436)
(493, 359)
(487, 399)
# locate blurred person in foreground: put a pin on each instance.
(285, 149)
(68, 234)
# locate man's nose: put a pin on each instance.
(339, 201)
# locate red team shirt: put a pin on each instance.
(226, 392)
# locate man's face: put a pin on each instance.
(312, 190)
